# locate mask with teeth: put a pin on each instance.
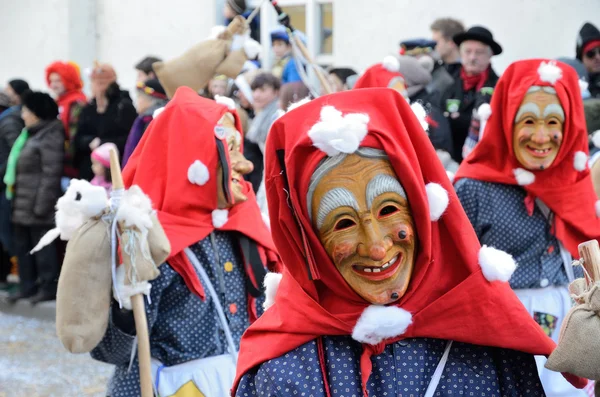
(362, 217)
(538, 128)
(232, 171)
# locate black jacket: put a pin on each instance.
(11, 125)
(439, 128)
(466, 104)
(594, 86)
(111, 126)
(39, 170)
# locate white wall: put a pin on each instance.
(367, 30)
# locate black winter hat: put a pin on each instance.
(588, 33)
(238, 6)
(19, 86)
(41, 104)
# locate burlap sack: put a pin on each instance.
(142, 256)
(199, 64)
(232, 65)
(578, 350)
(84, 288)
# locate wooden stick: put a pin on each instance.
(137, 303)
(590, 253)
(306, 55)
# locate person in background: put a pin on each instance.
(291, 93)
(232, 8)
(265, 95)
(64, 81)
(107, 118)
(473, 87)
(338, 78)
(285, 67)
(11, 125)
(101, 165)
(5, 102)
(443, 31)
(588, 52)
(144, 69)
(5, 264)
(151, 96)
(32, 178)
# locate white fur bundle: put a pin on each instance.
(220, 218)
(135, 209)
(271, 284)
(223, 100)
(523, 176)
(198, 173)
(580, 161)
(438, 200)
(377, 323)
(301, 102)
(549, 72)
(157, 112)
(484, 111)
(335, 134)
(421, 114)
(391, 63)
(596, 138)
(496, 265)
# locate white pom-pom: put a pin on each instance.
(223, 100)
(301, 102)
(421, 114)
(496, 265)
(335, 134)
(377, 323)
(484, 111)
(220, 218)
(580, 161)
(157, 112)
(598, 208)
(438, 200)
(198, 173)
(523, 176)
(549, 72)
(271, 284)
(391, 63)
(252, 48)
(450, 176)
(596, 138)
(135, 209)
(583, 85)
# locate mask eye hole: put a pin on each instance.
(387, 210)
(344, 224)
(77, 196)
(529, 121)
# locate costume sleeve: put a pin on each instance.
(117, 343)
(468, 194)
(290, 73)
(257, 383)
(125, 118)
(51, 152)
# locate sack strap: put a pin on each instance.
(215, 297)
(437, 375)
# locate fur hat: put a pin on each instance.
(102, 153)
(588, 35)
(41, 104)
(238, 6)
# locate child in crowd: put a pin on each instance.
(101, 165)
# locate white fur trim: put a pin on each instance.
(596, 138)
(157, 112)
(391, 63)
(252, 48)
(583, 85)
(484, 111)
(580, 161)
(81, 202)
(549, 72)
(223, 100)
(438, 200)
(335, 134)
(135, 209)
(496, 265)
(598, 208)
(301, 102)
(450, 176)
(198, 173)
(523, 176)
(271, 284)
(220, 218)
(421, 114)
(123, 291)
(377, 323)
(46, 239)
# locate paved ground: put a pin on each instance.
(34, 363)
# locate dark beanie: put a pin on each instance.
(238, 6)
(41, 104)
(343, 73)
(587, 34)
(19, 86)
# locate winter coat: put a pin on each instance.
(466, 104)
(594, 86)
(439, 128)
(11, 125)
(39, 170)
(111, 126)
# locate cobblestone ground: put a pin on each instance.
(33, 363)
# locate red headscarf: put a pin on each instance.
(381, 74)
(69, 74)
(448, 296)
(565, 190)
(186, 132)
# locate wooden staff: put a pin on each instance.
(590, 253)
(137, 303)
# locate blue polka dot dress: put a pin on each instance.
(182, 326)
(405, 368)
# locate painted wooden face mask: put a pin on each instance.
(364, 222)
(238, 167)
(538, 128)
